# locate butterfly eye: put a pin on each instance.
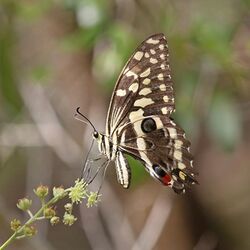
(148, 125)
(95, 134)
(159, 171)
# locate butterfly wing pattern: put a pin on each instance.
(139, 122)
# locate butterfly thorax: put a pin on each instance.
(105, 145)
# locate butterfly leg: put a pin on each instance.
(104, 174)
(87, 167)
(97, 171)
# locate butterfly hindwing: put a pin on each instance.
(163, 145)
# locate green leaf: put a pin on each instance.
(139, 173)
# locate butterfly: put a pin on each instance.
(139, 120)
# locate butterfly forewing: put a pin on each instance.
(139, 120)
(144, 81)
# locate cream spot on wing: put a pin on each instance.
(160, 77)
(137, 127)
(181, 165)
(138, 55)
(145, 91)
(162, 56)
(161, 47)
(158, 122)
(178, 144)
(172, 133)
(133, 87)
(146, 81)
(145, 158)
(191, 163)
(145, 73)
(163, 87)
(121, 92)
(165, 98)
(126, 70)
(169, 76)
(152, 51)
(141, 144)
(174, 177)
(164, 110)
(182, 175)
(167, 66)
(143, 102)
(163, 66)
(131, 73)
(153, 60)
(147, 55)
(178, 155)
(134, 115)
(172, 122)
(152, 41)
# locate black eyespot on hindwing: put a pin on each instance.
(148, 125)
(159, 171)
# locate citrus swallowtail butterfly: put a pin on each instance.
(139, 123)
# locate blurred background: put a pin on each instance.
(58, 55)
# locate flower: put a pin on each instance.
(68, 207)
(49, 212)
(59, 192)
(69, 219)
(93, 199)
(29, 230)
(15, 224)
(41, 191)
(54, 220)
(24, 204)
(78, 192)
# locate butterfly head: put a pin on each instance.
(95, 135)
(98, 137)
(101, 141)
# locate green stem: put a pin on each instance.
(7, 242)
(30, 221)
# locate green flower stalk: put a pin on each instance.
(47, 211)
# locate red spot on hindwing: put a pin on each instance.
(166, 179)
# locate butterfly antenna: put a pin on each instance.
(86, 121)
